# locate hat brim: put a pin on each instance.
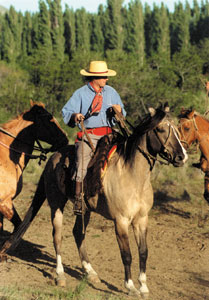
(108, 73)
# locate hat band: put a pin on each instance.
(98, 72)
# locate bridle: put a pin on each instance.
(184, 141)
(197, 137)
(166, 155)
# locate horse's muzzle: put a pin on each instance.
(179, 160)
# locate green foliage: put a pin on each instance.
(158, 55)
(16, 90)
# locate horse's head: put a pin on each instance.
(161, 135)
(188, 127)
(45, 127)
(165, 139)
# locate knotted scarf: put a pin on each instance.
(96, 104)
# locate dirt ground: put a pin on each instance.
(177, 267)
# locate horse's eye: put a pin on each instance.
(186, 128)
(160, 129)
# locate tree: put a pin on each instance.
(69, 31)
(97, 38)
(27, 47)
(7, 44)
(43, 33)
(180, 35)
(134, 30)
(57, 29)
(82, 31)
(113, 25)
(13, 27)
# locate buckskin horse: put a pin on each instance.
(125, 197)
(193, 127)
(17, 142)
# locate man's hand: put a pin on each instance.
(118, 107)
(78, 118)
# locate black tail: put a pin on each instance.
(38, 200)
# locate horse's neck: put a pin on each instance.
(203, 137)
(19, 139)
(141, 162)
(17, 125)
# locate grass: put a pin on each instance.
(80, 293)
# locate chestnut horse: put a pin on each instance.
(195, 128)
(17, 139)
(126, 195)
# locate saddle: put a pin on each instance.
(106, 146)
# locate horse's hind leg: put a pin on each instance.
(121, 230)
(79, 236)
(140, 232)
(57, 219)
(8, 211)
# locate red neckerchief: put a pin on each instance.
(96, 104)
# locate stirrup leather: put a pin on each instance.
(77, 206)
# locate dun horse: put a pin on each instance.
(17, 139)
(195, 128)
(125, 197)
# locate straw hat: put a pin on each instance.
(98, 68)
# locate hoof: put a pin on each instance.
(93, 278)
(3, 257)
(61, 280)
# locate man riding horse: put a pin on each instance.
(87, 108)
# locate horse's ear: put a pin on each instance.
(31, 103)
(192, 114)
(166, 107)
(152, 111)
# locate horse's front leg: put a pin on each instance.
(79, 231)
(121, 230)
(57, 219)
(140, 231)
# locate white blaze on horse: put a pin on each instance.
(17, 139)
(125, 195)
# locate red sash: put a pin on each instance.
(97, 131)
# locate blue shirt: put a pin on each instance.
(82, 99)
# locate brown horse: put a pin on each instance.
(126, 195)
(17, 138)
(195, 128)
